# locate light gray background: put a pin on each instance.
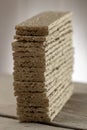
(15, 11)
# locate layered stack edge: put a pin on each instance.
(43, 66)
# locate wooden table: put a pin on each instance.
(72, 117)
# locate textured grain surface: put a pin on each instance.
(56, 59)
(72, 115)
(41, 20)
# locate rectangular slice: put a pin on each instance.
(41, 24)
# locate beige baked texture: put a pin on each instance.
(41, 23)
(43, 66)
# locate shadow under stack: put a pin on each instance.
(43, 66)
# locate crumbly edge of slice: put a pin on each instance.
(42, 20)
(43, 32)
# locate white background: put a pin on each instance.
(14, 11)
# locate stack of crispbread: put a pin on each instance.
(43, 65)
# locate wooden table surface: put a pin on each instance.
(72, 117)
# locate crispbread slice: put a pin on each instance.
(29, 86)
(49, 38)
(29, 70)
(41, 23)
(30, 53)
(37, 109)
(29, 77)
(30, 38)
(43, 102)
(39, 117)
(57, 26)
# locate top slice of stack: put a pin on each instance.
(43, 65)
(42, 24)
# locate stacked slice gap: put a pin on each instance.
(43, 66)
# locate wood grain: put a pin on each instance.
(9, 124)
(74, 114)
